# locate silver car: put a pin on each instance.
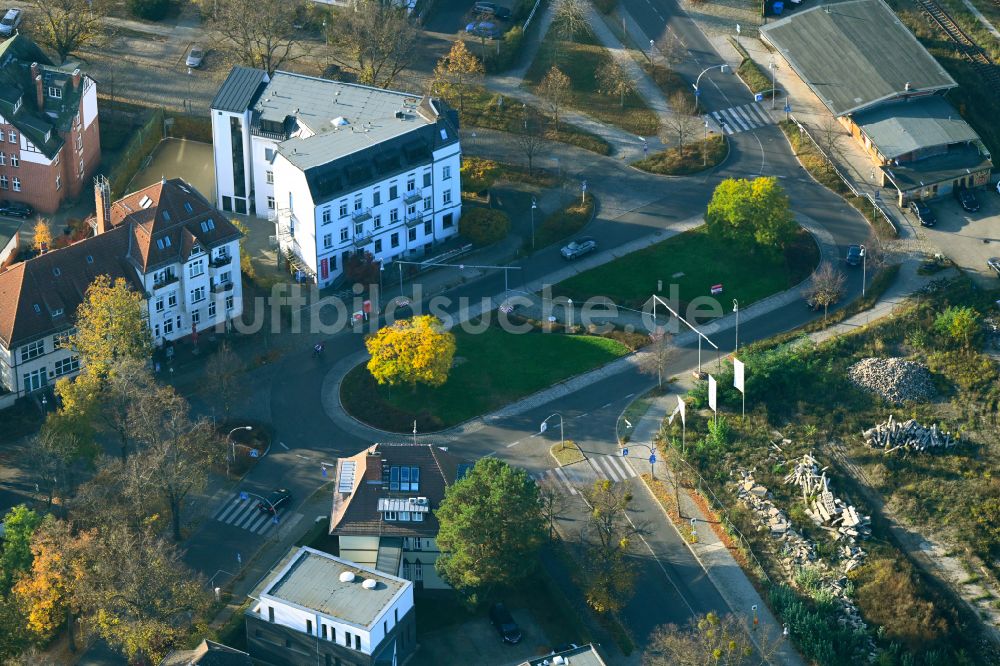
(578, 248)
(195, 56)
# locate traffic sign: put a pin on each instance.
(788, 107)
(759, 97)
(254, 453)
(625, 451)
(276, 520)
(324, 471)
(652, 459)
(244, 496)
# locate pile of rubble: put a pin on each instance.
(909, 435)
(895, 379)
(827, 511)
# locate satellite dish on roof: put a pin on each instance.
(347, 577)
(340, 121)
(369, 584)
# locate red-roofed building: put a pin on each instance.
(165, 240)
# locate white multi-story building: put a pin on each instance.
(340, 168)
(315, 608)
(166, 241)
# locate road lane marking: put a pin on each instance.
(513, 444)
(283, 446)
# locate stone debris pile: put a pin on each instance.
(826, 510)
(895, 379)
(908, 435)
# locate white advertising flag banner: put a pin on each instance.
(680, 406)
(674, 413)
(711, 393)
(738, 374)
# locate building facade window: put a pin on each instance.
(344, 233)
(14, 161)
(376, 197)
(378, 245)
(32, 350)
(343, 209)
(159, 304)
(446, 196)
(377, 221)
(428, 203)
(327, 216)
(34, 380)
(172, 300)
(229, 302)
(270, 177)
(168, 326)
(197, 294)
(428, 227)
(427, 178)
(448, 221)
(446, 172)
(393, 216)
(411, 185)
(196, 268)
(411, 234)
(394, 240)
(211, 310)
(3, 159)
(393, 192)
(4, 183)
(327, 241)
(16, 183)
(13, 136)
(196, 317)
(359, 228)
(60, 340)
(357, 203)
(418, 571)
(270, 203)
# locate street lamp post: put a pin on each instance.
(772, 67)
(651, 51)
(229, 438)
(697, 90)
(704, 153)
(534, 205)
(545, 426)
(736, 309)
(652, 457)
(864, 269)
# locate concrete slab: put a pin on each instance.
(179, 158)
(968, 239)
(477, 642)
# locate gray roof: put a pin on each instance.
(239, 89)
(855, 54)
(9, 227)
(311, 579)
(585, 655)
(903, 127)
(956, 163)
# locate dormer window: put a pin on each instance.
(145, 201)
(163, 243)
(187, 207)
(166, 216)
(207, 225)
(57, 271)
(55, 93)
(17, 104)
(196, 249)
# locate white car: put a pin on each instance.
(195, 56)
(10, 21)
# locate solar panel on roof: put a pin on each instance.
(346, 482)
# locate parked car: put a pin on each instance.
(195, 56)
(994, 263)
(483, 29)
(923, 213)
(854, 255)
(578, 248)
(14, 209)
(274, 501)
(491, 9)
(10, 21)
(504, 623)
(968, 200)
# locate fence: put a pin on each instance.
(843, 177)
(531, 15)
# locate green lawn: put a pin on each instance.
(704, 261)
(492, 369)
(580, 60)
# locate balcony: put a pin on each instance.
(221, 286)
(363, 239)
(414, 219)
(221, 260)
(362, 215)
(165, 282)
(413, 197)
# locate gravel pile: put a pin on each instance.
(895, 379)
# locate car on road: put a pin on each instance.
(491, 9)
(994, 263)
(10, 21)
(923, 213)
(14, 209)
(578, 248)
(968, 200)
(195, 56)
(483, 29)
(854, 255)
(274, 501)
(505, 625)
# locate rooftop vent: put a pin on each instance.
(369, 583)
(400, 115)
(907, 86)
(145, 202)
(340, 121)
(347, 577)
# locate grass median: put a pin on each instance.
(687, 159)
(695, 261)
(492, 368)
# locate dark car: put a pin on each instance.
(491, 9)
(578, 248)
(14, 209)
(968, 200)
(274, 501)
(483, 29)
(504, 623)
(924, 213)
(994, 263)
(854, 255)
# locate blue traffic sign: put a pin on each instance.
(324, 471)
(759, 97)
(254, 453)
(243, 496)
(275, 520)
(625, 451)
(788, 108)
(652, 458)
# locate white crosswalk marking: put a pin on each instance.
(244, 515)
(614, 468)
(740, 118)
(555, 478)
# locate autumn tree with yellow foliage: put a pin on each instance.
(43, 236)
(411, 351)
(457, 75)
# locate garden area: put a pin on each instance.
(694, 261)
(489, 370)
(688, 158)
(844, 591)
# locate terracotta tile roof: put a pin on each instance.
(167, 219)
(356, 512)
(40, 296)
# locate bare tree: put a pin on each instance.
(670, 49)
(58, 455)
(260, 33)
(708, 639)
(530, 136)
(614, 80)
(681, 125)
(555, 90)
(570, 19)
(826, 287)
(128, 380)
(553, 504)
(653, 360)
(378, 39)
(829, 134)
(608, 534)
(65, 26)
(222, 377)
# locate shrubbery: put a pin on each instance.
(484, 226)
(151, 10)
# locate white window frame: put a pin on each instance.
(32, 350)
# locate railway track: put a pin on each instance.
(967, 46)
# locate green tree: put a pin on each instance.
(491, 527)
(484, 226)
(411, 351)
(826, 287)
(246, 263)
(19, 524)
(14, 637)
(457, 75)
(110, 325)
(63, 447)
(960, 323)
(752, 213)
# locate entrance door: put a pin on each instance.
(34, 380)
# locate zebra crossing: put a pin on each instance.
(567, 479)
(243, 513)
(740, 118)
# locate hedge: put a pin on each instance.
(484, 226)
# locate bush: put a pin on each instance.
(484, 226)
(606, 6)
(478, 173)
(564, 222)
(888, 595)
(687, 159)
(510, 51)
(151, 10)
(814, 628)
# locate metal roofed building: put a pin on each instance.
(885, 88)
(315, 608)
(340, 168)
(585, 655)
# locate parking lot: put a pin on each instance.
(968, 239)
(477, 642)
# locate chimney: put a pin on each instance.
(36, 75)
(102, 197)
(77, 76)
(907, 86)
